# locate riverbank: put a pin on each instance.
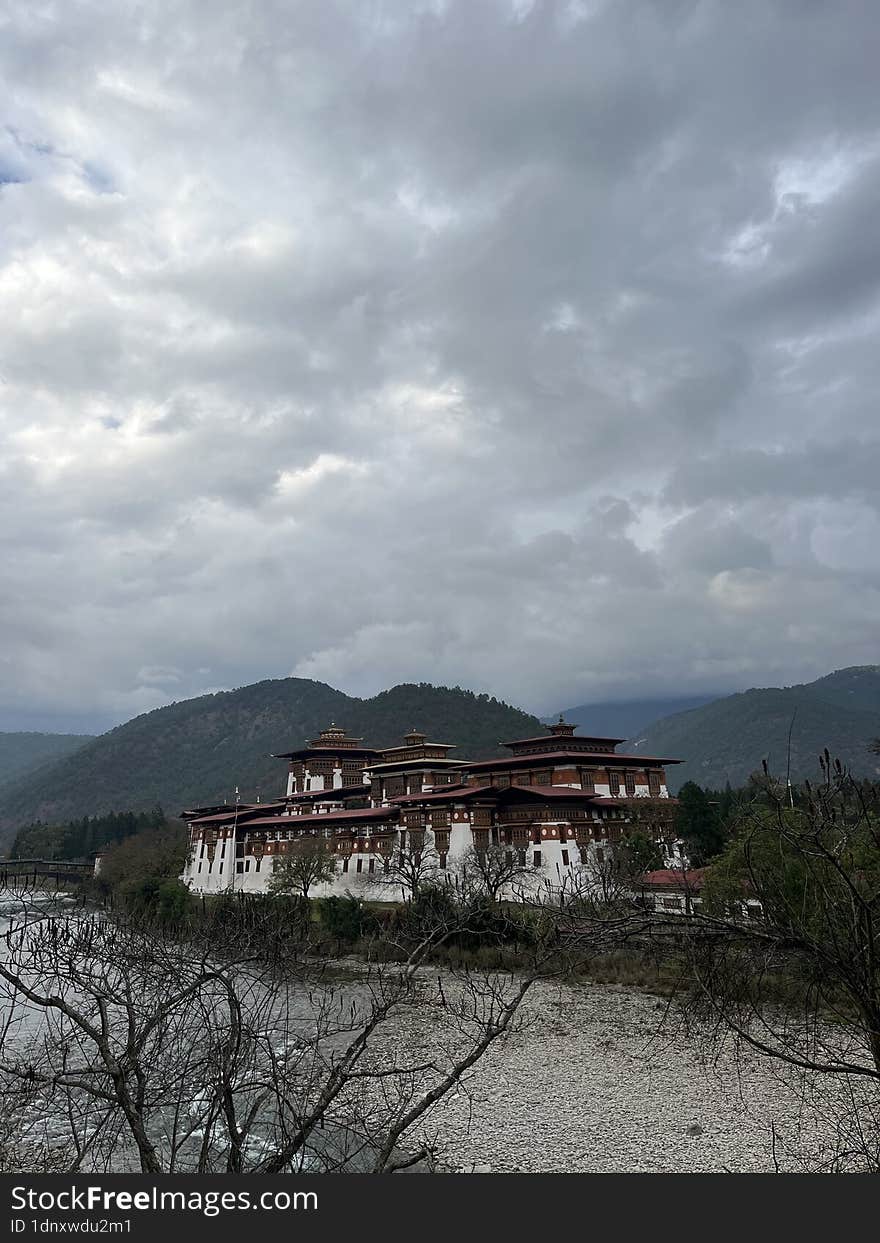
(589, 1083)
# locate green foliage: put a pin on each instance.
(153, 855)
(640, 853)
(804, 868)
(698, 822)
(79, 838)
(435, 907)
(310, 862)
(193, 753)
(727, 740)
(344, 919)
(167, 901)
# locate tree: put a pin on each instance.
(698, 824)
(192, 1057)
(157, 854)
(410, 868)
(639, 853)
(492, 870)
(309, 862)
(786, 952)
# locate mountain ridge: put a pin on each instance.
(727, 739)
(22, 751)
(625, 718)
(196, 751)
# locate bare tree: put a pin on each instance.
(173, 1057)
(411, 867)
(492, 870)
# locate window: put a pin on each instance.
(386, 865)
(521, 858)
(564, 854)
(345, 863)
(536, 858)
(239, 867)
(630, 780)
(443, 858)
(360, 864)
(654, 785)
(372, 866)
(614, 784)
(587, 781)
(600, 855)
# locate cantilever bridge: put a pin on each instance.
(31, 873)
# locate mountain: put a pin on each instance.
(625, 720)
(197, 751)
(726, 740)
(21, 752)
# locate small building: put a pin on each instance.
(672, 891)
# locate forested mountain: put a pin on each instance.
(199, 750)
(21, 752)
(727, 740)
(623, 720)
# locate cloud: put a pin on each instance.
(525, 347)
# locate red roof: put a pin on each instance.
(420, 762)
(602, 759)
(693, 879)
(241, 813)
(329, 749)
(328, 817)
(626, 800)
(549, 791)
(314, 796)
(549, 737)
(459, 792)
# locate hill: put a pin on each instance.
(21, 752)
(625, 720)
(726, 740)
(197, 751)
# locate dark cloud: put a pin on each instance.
(524, 346)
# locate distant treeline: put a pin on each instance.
(80, 838)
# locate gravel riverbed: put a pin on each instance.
(588, 1082)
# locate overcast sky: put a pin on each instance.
(530, 347)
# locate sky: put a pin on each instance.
(526, 347)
